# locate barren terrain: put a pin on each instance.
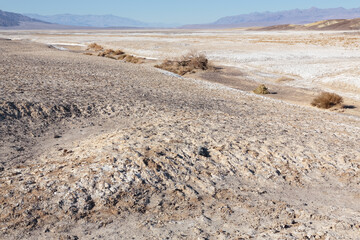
(307, 61)
(95, 148)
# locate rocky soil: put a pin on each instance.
(93, 148)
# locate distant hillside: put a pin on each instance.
(334, 24)
(295, 16)
(94, 20)
(9, 19)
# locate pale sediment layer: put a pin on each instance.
(96, 148)
(313, 60)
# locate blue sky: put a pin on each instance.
(167, 11)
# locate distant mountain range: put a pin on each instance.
(295, 16)
(70, 21)
(100, 21)
(9, 19)
(89, 20)
(264, 19)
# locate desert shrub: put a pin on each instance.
(195, 60)
(95, 47)
(114, 54)
(105, 53)
(119, 52)
(186, 64)
(121, 57)
(261, 89)
(110, 52)
(133, 59)
(327, 100)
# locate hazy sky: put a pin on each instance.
(167, 11)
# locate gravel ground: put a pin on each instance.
(94, 148)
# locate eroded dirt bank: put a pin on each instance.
(95, 148)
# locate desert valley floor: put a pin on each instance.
(97, 148)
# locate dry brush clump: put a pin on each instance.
(327, 100)
(132, 59)
(261, 89)
(95, 47)
(186, 64)
(110, 52)
(113, 54)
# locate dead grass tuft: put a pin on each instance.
(119, 52)
(327, 100)
(130, 58)
(261, 89)
(113, 54)
(95, 47)
(186, 64)
(120, 55)
(133, 59)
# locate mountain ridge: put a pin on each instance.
(10, 19)
(293, 16)
(100, 21)
(88, 20)
(256, 19)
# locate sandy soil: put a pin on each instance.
(93, 148)
(305, 62)
(314, 60)
(237, 79)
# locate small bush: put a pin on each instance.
(95, 47)
(187, 64)
(327, 100)
(261, 89)
(195, 60)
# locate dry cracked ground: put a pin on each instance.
(93, 148)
